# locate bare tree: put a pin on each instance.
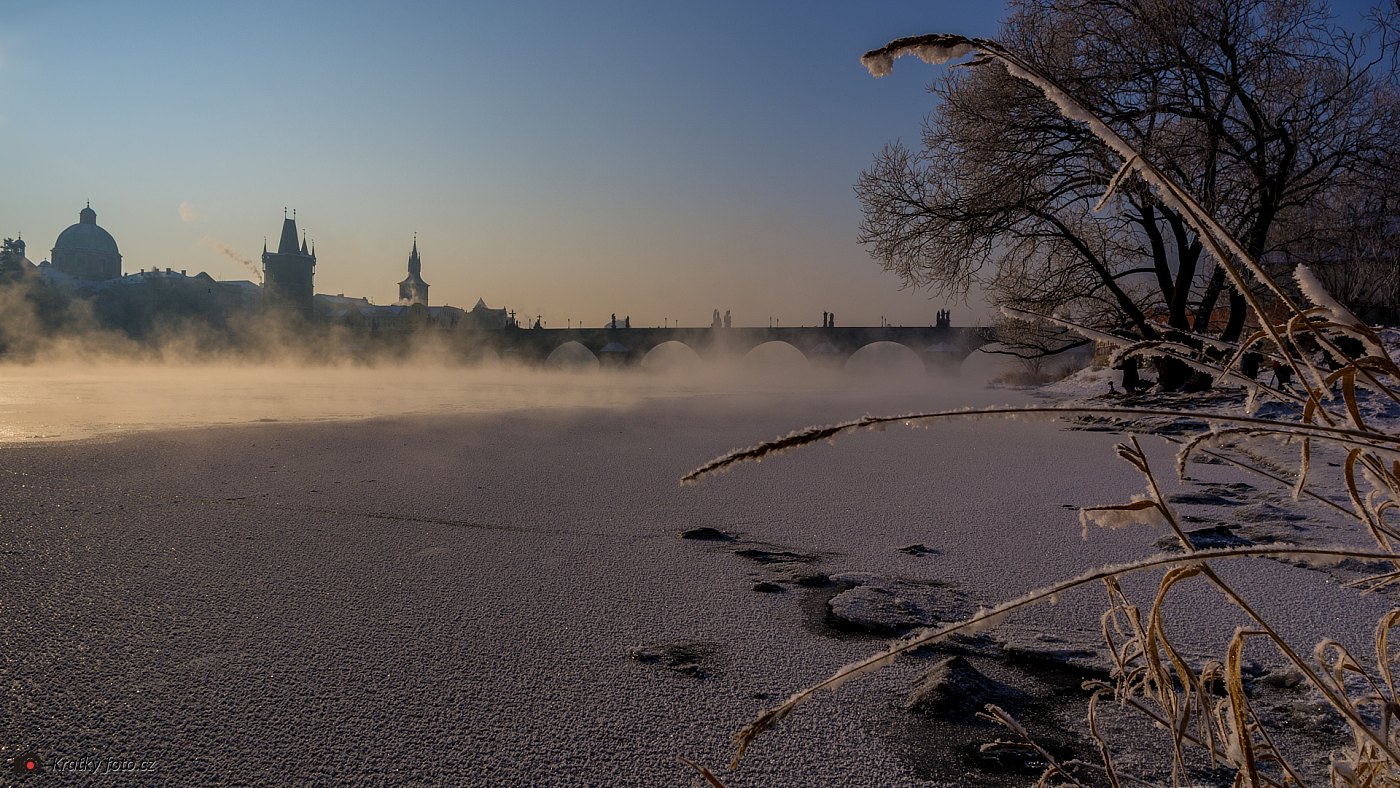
(1355, 252)
(1261, 108)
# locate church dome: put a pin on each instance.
(86, 251)
(86, 236)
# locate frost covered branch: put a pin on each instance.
(804, 437)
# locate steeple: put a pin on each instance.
(415, 266)
(413, 290)
(303, 242)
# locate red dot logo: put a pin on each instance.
(25, 765)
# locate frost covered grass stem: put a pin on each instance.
(1150, 674)
(988, 618)
(1255, 425)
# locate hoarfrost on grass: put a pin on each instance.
(934, 50)
(1140, 511)
(1316, 293)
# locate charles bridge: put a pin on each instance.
(942, 348)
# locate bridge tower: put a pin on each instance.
(288, 272)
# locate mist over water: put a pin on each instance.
(74, 399)
(74, 368)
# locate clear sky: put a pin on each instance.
(649, 158)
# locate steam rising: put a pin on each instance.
(79, 398)
(64, 375)
(232, 255)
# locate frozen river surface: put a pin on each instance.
(435, 578)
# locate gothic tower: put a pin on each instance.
(288, 272)
(414, 290)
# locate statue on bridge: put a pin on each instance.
(726, 318)
(717, 321)
(944, 320)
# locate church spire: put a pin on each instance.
(415, 266)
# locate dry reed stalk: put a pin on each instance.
(1150, 674)
(708, 776)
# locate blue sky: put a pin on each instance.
(569, 159)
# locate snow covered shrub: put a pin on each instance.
(1342, 368)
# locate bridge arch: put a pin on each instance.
(670, 355)
(571, 355)
(776, 355)
(884, 358)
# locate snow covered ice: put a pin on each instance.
(458, 597)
